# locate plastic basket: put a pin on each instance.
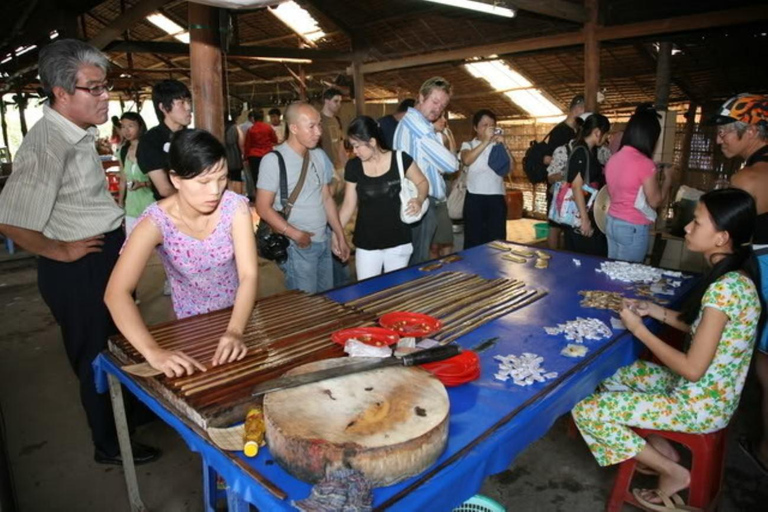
(479, 503)
(542, 230)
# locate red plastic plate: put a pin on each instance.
(456, 370)
(374, 336)
(410, 324)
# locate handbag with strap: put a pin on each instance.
(274, 246)
(564, 209)
(457, 196)
(408, 191)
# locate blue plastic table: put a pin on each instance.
(491, 422)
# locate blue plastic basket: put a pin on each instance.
(479, 503)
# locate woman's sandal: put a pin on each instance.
(668, 503)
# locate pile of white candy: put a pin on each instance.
(524, 370)
(634, 272)
(580, 329)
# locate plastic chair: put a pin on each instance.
(707, 468)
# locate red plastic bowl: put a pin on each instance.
(405, 323)
(456, 370)
(374, 336)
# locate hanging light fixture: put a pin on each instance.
(487, 8)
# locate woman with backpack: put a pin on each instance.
(585, 176)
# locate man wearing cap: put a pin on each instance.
(742, 131)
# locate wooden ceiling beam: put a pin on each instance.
(678, 24)
(234, 51)
(676, 78)
(751, 14)
(323, 8)
(519, 46)
(125, 21)
(554, 9)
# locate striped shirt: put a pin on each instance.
(58, 186)
(416, 136)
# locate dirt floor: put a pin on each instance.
(52, 459)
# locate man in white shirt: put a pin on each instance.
(56, 206)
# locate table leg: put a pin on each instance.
(211, 493)
(235, 503)
(121, 423)
(209, 488)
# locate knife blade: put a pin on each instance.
(484, 345)
(416, 358)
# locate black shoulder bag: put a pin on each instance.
(274, 246)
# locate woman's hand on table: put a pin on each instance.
(632, 320)
(173, 363)
(231, 348)
(639, 307)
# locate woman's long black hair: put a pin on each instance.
(642, 131)
(589, 125)
(131, 116)
(364, 128)
(194, 152)
(732, 210)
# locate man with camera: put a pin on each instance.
(309, 171)
(416, 136)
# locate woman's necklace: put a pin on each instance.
(193, 230)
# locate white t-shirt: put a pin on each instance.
(481, 179)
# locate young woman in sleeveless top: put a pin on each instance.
(204, 237)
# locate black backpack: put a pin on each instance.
(533, 161)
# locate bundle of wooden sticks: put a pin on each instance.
(285, 331)
(463, 302)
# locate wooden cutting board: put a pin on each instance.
(389, 424)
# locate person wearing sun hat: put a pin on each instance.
(742, 131)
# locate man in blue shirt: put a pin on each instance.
(416, 136)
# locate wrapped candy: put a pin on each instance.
(636, 272)
(524, 370)
(580, 329)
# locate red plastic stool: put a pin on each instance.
(707, 465)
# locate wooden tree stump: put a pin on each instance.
(389, 424)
